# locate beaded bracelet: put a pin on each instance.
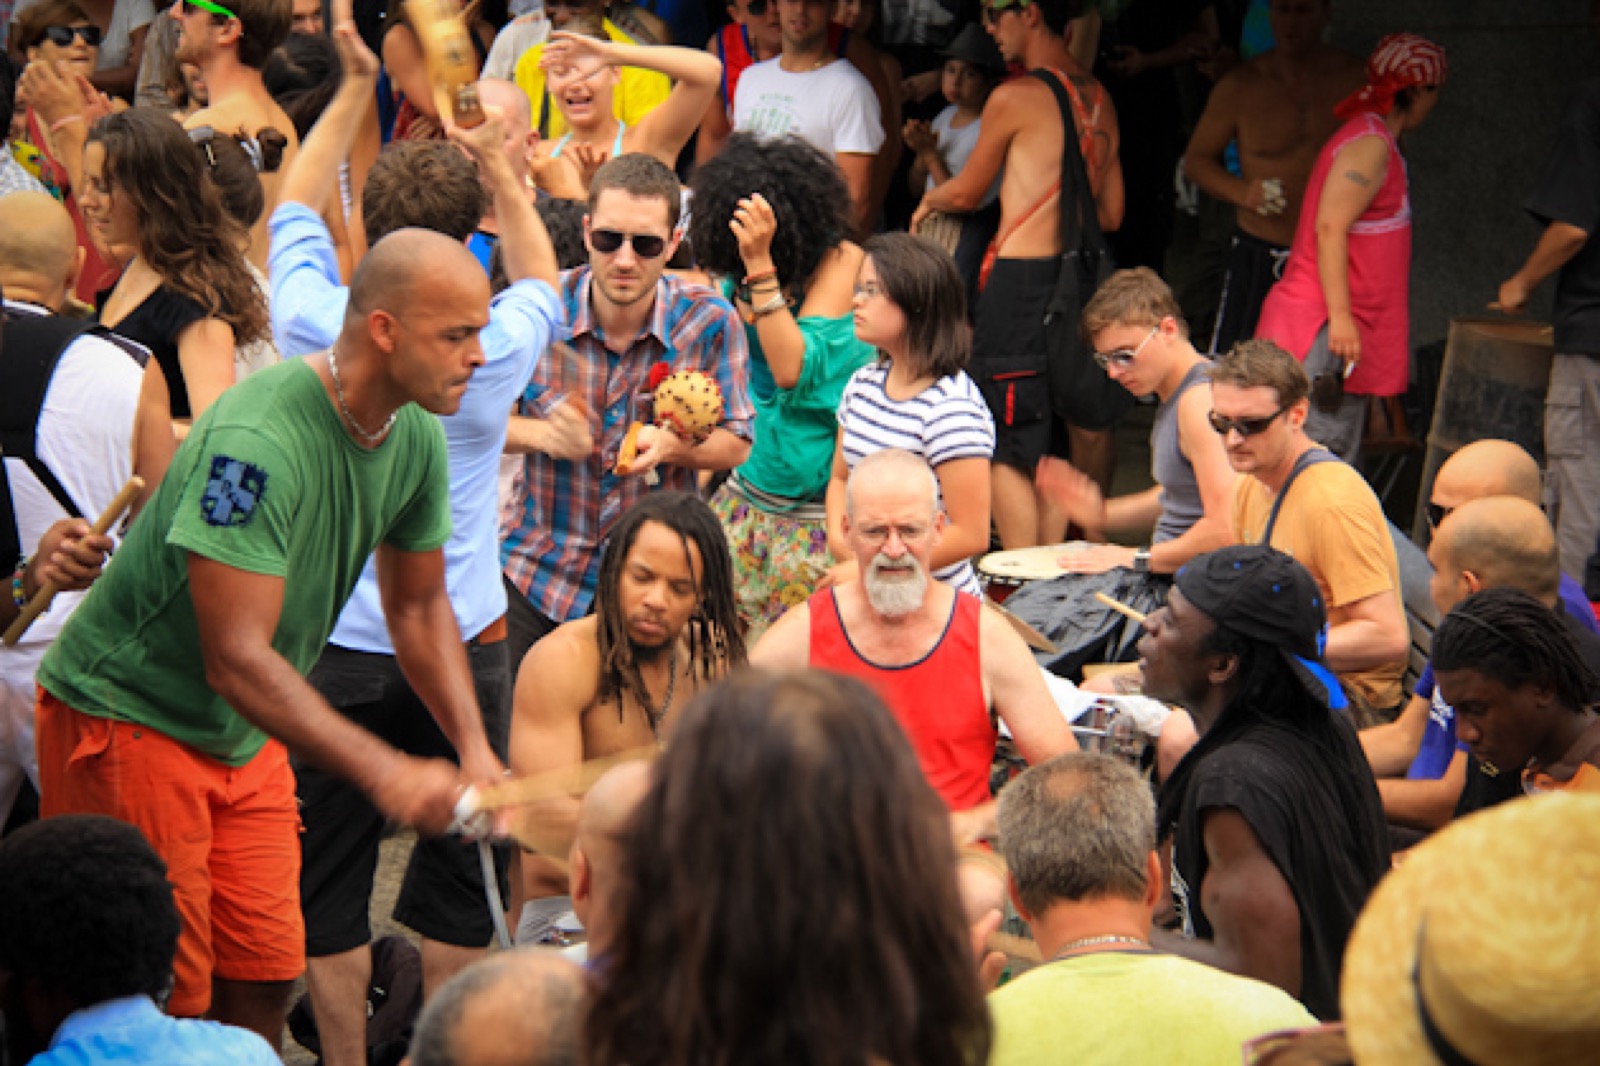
(18, 595)
(764, 275)
(772, 306)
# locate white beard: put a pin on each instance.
(896, 596)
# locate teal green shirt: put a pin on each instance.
(269, 482)
(796, 429)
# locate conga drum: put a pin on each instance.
(1002, 573)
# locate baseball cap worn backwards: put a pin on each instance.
(1264, 595)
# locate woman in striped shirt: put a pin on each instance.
(910, 304)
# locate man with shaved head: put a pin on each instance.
(1491, 467)
(433, 186)
(83, 434)
(176, 692)
(1488, 542)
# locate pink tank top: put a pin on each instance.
(938, 700)
(1380, 273)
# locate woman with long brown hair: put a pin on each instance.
(787, 894)
(187, 293)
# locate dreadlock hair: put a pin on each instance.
(1270, 699)
(1506, 634)
(715, 643)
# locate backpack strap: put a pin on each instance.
(1307, 459)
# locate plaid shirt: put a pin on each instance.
(561, 512)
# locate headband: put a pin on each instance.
(1400, 61)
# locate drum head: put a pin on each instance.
(1028, 564)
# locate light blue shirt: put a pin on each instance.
(308, 305)
(133, 1031)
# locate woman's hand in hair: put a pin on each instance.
(754, 225)
(573, 51)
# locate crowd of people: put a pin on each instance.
(589, 470)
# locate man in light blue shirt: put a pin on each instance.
(87, 937)
(428, 185)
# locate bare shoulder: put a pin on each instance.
(562, 671)
(787, 644)
(1002, 646)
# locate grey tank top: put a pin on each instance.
(1180, 492)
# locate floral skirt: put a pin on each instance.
(778, 557)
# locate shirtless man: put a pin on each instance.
(1022, 132)
(609, 682)
(230, 44)
(1278, 108)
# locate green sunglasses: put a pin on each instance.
(993, 9)
(209, 6)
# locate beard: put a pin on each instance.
(895, 588)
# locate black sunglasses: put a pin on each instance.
(1436, 514)
(645, 245)
(61, 36)
(1247, 427)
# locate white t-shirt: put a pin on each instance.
(947, 420)
(126, 16)
(519, 35)
(955, 147)
(86, 440)
(833, 109)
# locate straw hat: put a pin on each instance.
(1489, 929)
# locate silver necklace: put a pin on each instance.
(672, 686)
(1094, 941)
(344, 409)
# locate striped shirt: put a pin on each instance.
(947, 420)
(562, 511)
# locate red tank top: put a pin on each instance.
(937, 700)
(733, 48)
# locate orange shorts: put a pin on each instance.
(229, 835)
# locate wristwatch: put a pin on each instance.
(1141, 561)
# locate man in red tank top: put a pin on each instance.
(943, 664)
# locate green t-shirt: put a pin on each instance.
(269, 482)
(1113, 1008)
(796, 429)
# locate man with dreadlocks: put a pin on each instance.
(1276, 828)
(664, 627)
(1524, 699)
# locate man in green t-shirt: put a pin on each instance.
(1079, 836)
(174, 693)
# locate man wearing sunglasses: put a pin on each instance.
(1142, 342)
(1021, 133)
(1319, 510)
(625, 315)
(230, 43)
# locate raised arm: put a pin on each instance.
(524, 242)
(695, 74)
(310, 177)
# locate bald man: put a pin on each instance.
(516, 117)
(177, 690)
(597, 849)
(516, 1008)
(94, 424)
(1493, 467)
(1492, 542)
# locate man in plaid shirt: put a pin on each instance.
(625, 317)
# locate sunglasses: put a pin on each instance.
(645, 245)
(1436, 514)
(1123, 357)
(995, 8)
(208, 6)
(61, 36)
(1247, 427)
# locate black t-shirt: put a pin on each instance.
(156, 323)
(1315, 807)
(1570, 193)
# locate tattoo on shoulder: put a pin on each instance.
(1358, 177)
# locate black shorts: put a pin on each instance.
(1009, 358)
(442, 896)
(1254, 266)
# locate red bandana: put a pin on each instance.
(1400, 61)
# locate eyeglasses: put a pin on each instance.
(879, 534)
(1437, 514)
(209, 6)
(61, 36)
(645, 245)
(1124, 357)
(1247, 427)
(869, 290)
(995, 8)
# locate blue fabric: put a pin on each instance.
(481, 245)
(133, 1031)
(1576, 603)
(1439, 744)
(308, 305)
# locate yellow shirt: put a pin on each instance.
(638, 92)
(1333, 525)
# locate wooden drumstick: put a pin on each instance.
(41, 599)
(1120, 608)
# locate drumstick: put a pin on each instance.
(1120, 608)
(41, 599)
(567, 781)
